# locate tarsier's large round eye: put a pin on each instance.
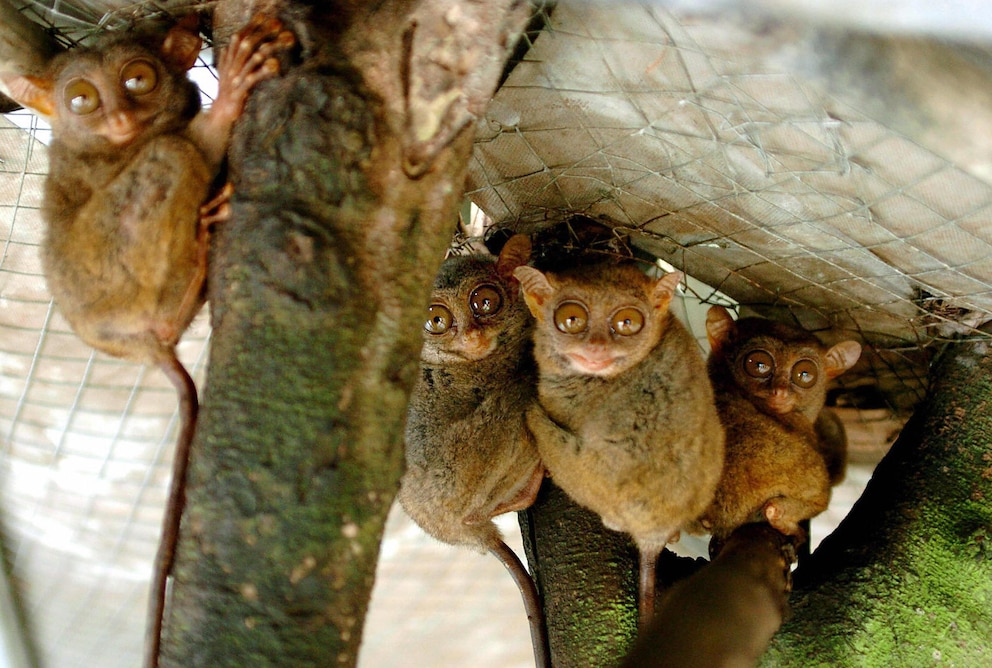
(139, 77)
(571, 318)
(804, 373)
(485, 300)
(627, 321)
(759, 364)
(439, 319)
(82, 97)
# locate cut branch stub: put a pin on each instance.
(452, 56)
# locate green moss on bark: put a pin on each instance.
(587, 577)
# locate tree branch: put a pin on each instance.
(25, 48)
(587, 578)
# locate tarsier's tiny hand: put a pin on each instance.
(217, 209)
(781, 515)
(248, 59)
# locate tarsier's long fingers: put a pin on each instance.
(215, 210)
(218, 209)
(249, 59)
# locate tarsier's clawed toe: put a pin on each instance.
(249, 59)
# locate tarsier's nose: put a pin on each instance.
(121, 126)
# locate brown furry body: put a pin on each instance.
(469, 455)
(776, 466)
(626, 423)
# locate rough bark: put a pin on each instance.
(587, 578)
(348, 171)
(906, 579)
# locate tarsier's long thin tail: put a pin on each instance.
(532, 602)
(647, 584)
(188, 407)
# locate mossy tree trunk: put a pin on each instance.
(348, 171)
(587, 578)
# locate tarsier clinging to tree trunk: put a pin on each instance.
(469, 455)
(626, 424)
(131, 166)
(770, 382)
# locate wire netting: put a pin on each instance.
(688, 133)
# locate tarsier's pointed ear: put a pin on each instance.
(536, 288)
(515, 253)
(719, 327)
(32, 92)
(665, 288)
(842, 357)
(182, 44)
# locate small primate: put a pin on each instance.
(131, 165)
(770, 381)
(469, 455)
(626, 423)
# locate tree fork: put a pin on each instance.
(347, 171)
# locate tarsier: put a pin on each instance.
(131, 165)
(626, 423)
(770, 381)
(469, 455)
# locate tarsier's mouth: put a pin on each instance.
(122, 137)
(592, 364)
(781, 404)
(477, 348)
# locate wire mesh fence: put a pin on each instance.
(676, 128)
(687, 132)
